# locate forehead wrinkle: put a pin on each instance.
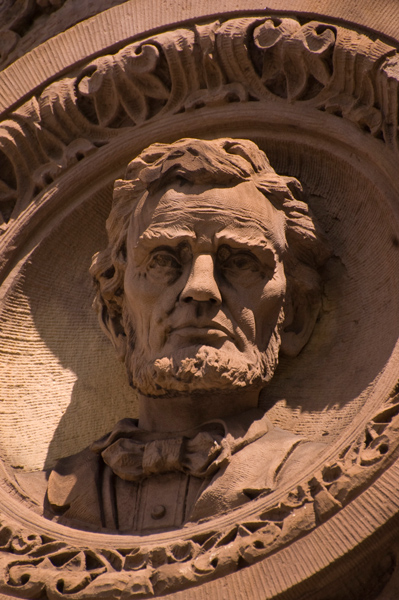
(240, 203)
(198, 210)
(269, 222)
(177, 216)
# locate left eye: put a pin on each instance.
(240, 267)
(242, 262)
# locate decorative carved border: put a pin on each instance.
(245, 60)
(240, 60)
(37, 566)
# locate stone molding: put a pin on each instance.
(244, 60)
(32, 564)
(241, 60)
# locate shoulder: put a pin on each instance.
(275, 459)
(73, 488)
(303, 456)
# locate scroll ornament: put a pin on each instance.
(325, 67)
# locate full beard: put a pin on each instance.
(207, 369)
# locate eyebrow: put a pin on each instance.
(233, 238)
(170, 235)
(243, 242)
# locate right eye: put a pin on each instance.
(164, 260)
(164, 265)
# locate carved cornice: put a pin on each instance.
(244, 60)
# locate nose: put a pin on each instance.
(201, 285)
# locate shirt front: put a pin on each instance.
(114, 485)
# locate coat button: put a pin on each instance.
(158, 511)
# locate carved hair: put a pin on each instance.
(222, 162)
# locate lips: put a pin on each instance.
(201, 327)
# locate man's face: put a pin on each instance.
(204, 288)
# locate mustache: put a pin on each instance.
(200, 369)
(195, 316)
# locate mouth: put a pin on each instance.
(202, 329)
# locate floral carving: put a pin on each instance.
(122, 86)
(240, 60)
(295, 62)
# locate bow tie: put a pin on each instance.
(133, 455)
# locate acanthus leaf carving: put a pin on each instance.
(356, 92)
(296, 61)
(214, 87)
(248, 59)
(244, 60)
(124, 83)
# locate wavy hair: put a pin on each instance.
(224, 163)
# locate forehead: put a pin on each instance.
(204, 211)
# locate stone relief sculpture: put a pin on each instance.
(215, 271)
(212, 269)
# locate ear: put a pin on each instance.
(300, 318)
(113, 329)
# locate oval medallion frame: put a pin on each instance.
(284, 83)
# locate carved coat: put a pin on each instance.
(136, 481)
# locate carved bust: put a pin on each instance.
(212, 269)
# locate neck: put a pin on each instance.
(188, 411)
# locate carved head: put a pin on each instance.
(211, 270)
